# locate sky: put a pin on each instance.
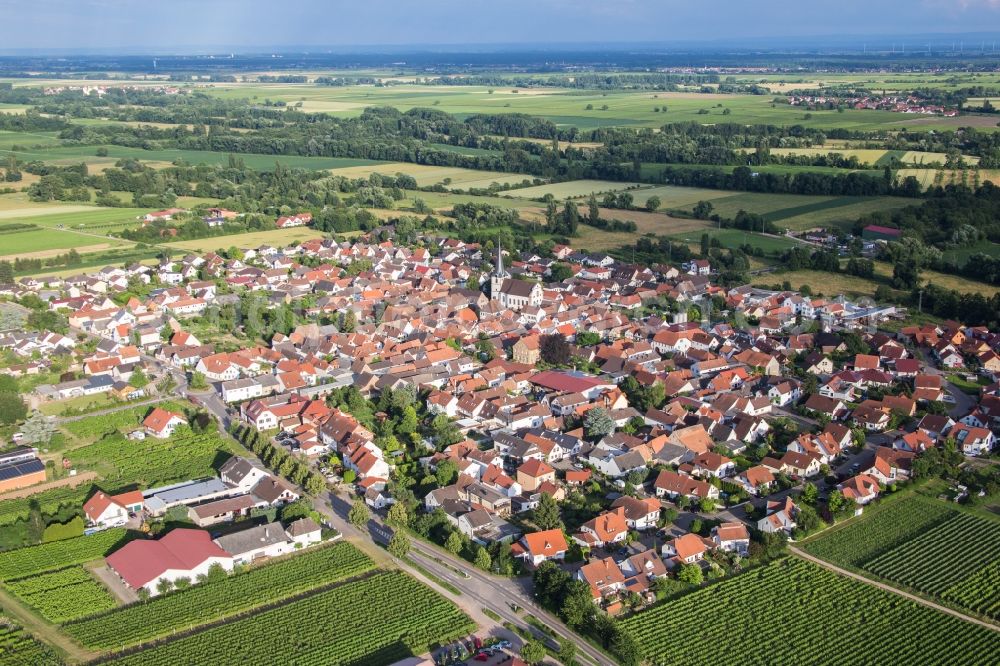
(253, 25)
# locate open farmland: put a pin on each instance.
(212, 601)
(410, 619)
(186, 455)
(19, 648)
(427, 175)
(784, 610)
(63, 595)
(275, 237)
(569, 107)
(573, 189)
(54, 555)
(946, 560)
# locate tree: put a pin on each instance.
(6, 272)
(838, 504)
(38, 429)
(483, 559)
(691, 573)
(198, 380)
(399, 544)
(905, 274)
(593, 212)
(454, 543)
(547, 516)
(138, 379)
(554, 349)
(446, 472)
(349, 476)
(703, 210)
(567, 652)
(597, 423)
(623, 645)
(533, 652)
(12, 408)
(653, 204)
(359, 513)
(809, 494)
(398, 515)
(577, 607)
(559, 272)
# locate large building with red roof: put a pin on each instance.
(182, 553)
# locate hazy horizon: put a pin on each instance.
(255, 26)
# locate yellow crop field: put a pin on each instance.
(276, 238)
(574, 189)
(451, 177)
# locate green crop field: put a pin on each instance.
(569, 107)
(77, 154)
(64, 594)
(961, 255)
(783, 613)
(733, 238)
(149, 462)
(32, 560)
(956, 560)
(212, 601)
(375, 621)
(49, 501)
(94, 427)
(19, 648)
(882, 527)
(573, 189)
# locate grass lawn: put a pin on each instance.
(87, 402)
(961, 255)
(733, 238)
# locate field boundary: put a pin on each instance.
(889, 588)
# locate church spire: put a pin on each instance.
(499, 270)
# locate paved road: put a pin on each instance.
(889, 588)
(485, 590)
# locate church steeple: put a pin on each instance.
(499, 272)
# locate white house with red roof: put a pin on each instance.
(298, 220)
(181, 553)
(161, 423)
(104, 511)
(538, 547)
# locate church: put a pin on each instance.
(511, 293)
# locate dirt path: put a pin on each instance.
(889, 588)
(70, 481)
(44, 631)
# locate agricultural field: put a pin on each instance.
(410, 619)
(575, 189)
(780, 614)
(32, 560)
(929, 177)
(76, 154)
(957, 560)
(151, 461)
(212, 601)
(893, 521)
(569, 107)
(427, 175)
(961, 255)
(275, 237)
(49, 501)
(733, 238)
(95, 427)
(19, 648)
(39, 243)
(64, 594)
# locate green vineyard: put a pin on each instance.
(49, 501)
(152, 461)
(946, 556)
(375, 621)
(980, 592)
(25, 562)
(63, 595)
(213, 601)
(19, 648)
(95, 427)
(881, 528)
(794, 612)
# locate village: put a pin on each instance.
(633, 425)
